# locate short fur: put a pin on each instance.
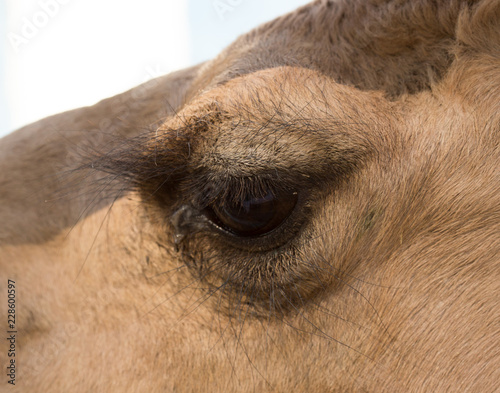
(381, 116)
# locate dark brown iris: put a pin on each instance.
(252, 216)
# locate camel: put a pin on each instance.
(316, 209)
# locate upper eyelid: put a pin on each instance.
(237, 188)
(176, 152)
(206, 187)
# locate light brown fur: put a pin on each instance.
(385, 116)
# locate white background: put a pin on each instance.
(57, 55)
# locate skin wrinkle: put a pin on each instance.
(381, 115)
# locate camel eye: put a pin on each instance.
(252, 216)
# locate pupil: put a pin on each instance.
(253, 216)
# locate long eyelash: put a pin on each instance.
(234, 190)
